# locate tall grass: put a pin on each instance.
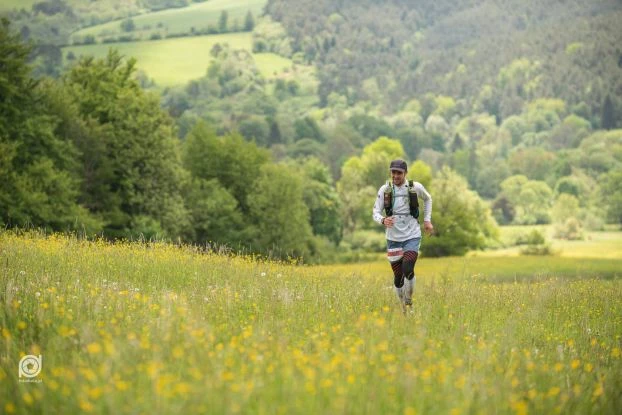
(156, 328)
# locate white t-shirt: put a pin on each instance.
(405, 226)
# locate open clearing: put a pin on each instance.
(156, 328)
(176, 61)
(181, 20)
(6, 5)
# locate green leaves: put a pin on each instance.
(136, 170)
(38, 181)
(276, 206)
(462, 221)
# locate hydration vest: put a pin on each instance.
(389, 199)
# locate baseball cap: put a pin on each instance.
(398, 165)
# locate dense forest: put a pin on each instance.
(488, 55)
(509, 112)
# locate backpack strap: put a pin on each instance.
(413, 200)
(389, 197)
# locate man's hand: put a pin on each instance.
(388, 222)
(428, 228)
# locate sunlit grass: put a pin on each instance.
(161, 329)
(181, 20)
(603, 244)
(6, 5)
(176, 61)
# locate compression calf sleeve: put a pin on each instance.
(408, 264)
(398, 274)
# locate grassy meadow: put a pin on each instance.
(154, 328)
(601, 244)
(181, 20)
(7, 5)
(176, 61)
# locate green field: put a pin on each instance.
(181, 20)
(6, 5)
(604, 244)
(157, 328)
(176, 61)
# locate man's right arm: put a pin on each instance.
(378, 206)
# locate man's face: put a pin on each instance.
(398, 177)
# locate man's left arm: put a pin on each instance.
(427, 208)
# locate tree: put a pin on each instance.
(222, 21)
(38, 176)
(233, 161)
(274, 136)
(612, 194)
(462, 222)
(565, 207)
(489, 177)
(608, 117)
(305, 147)
(128, 25)
(308, 128)
(517, 127)
(419, 171)
(565, 212)
(255, 128)
(137, 166)
(277, 208)
(533, 162)
(214, 214)
(249, 22)
(503, 210)
(322, 200)
(466, 163)
(339, 146)
(569, 133)
(371, 127)
(530, 199)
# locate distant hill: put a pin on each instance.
(487, 54)
(53, 24)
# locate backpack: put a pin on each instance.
(412, 199)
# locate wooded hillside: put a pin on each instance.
(491, 55)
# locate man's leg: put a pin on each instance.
(398, 279)
(408, 270)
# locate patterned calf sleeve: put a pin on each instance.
(408, 264)
(398, 274)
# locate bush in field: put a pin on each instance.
(564, 212)
(462, 221)
(536, 244)
(370, 241)
(571, 230)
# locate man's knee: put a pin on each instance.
(408, 264)
(398, 274)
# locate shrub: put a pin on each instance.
(571, 230)
(536, 244)
(369, 241)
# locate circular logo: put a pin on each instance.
(30, 366)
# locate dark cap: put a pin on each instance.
(398, 165)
